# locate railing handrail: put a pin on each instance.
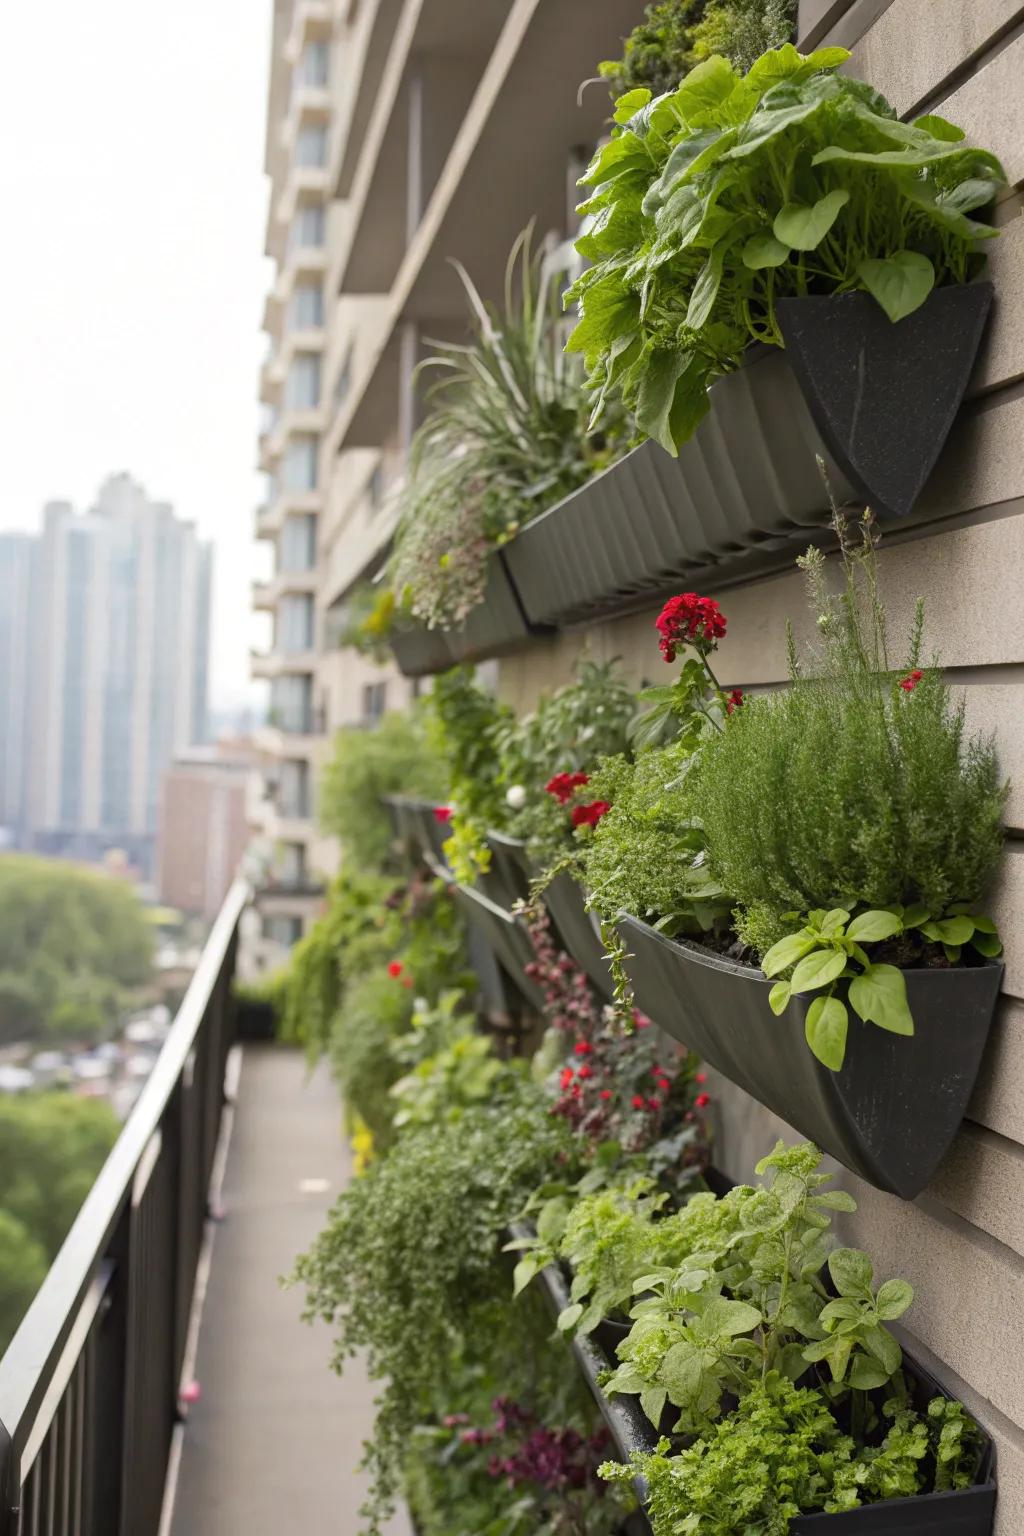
(35, 1351)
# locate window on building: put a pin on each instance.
(297, 549)
(375, 702)
(282, 930)
(314, 67)
(290, 864)
(293, 797)
(308, 227)
(306, 310)
(291, 703)
(302, 388)
(311, 146)
(295, 619)
(300, 462)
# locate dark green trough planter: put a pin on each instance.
(506, 936)
(576, 930)
(892, 1111)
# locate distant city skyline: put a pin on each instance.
(132, 340)
(103, 671)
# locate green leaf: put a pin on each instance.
(524, 1272)
(779, 996)
(913, 157)
(939, 128)
(893, 1299)
(803, 227)
(914, 916)
(629, 104)
(833, 921)
(866, 1374)
(825, 1031)
(851, 1272)
(652, 1401)
(657, 396)
(818, 969)
(723, 1318)
(871, 927)
(762, 251)
(835, 1200)
(879, 996)
(880, 1343)
(900, 282)
(951, 930)
(786, 63)
(987, 944)
(787, 952)
(569, 1317)
(705, 290)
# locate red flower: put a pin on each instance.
(700, 1077)
(565, 1077)
(910, 682)
(664, 1084)
(640, 1020)
(637, 1101)
(564, 785)
(702, 1100)
(734, 700)
(583, 1047)
(590, 815)
(442, 813)
(605, 1093)
(653, 1103)
(689, 619)
(395, 968)
(585, 1072)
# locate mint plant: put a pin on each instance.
(713, 201)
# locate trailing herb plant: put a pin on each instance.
(504, 440)
(394, 757)
(713, 201)
(675, 35)
(846, 877)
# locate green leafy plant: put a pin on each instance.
(675, 35)
(906, 822)
(409, 1251)
(393, 757)
(713, 201)
(830, 949)
(503, 441)
(456, 1070)
(781, 1453)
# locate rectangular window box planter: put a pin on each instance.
(506, 937)
(576, 929)
(494, 627)
(892, 1111)
(875, 401)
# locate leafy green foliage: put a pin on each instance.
(715, 200)
(73, 946)
(504, 440)
(52, 1146)
(675, 35)
(646, 856)
(460, 1072)
(409, 1250)
(394, 757)
(908, 815)
(377, 1013)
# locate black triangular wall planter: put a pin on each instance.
(890, 1114)
(885, 396)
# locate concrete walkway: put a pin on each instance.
(272, 1443)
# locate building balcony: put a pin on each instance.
(266, 594)
(267, 665)
(270, 517)
(301, 183)
(309, 104)
(312, 21)
(291, 735)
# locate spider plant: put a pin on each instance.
(504, 440)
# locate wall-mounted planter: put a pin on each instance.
(419, 651)
(506, 936)
(416, 827)
(747, 480)
(884, 397)
(496, 625)
(892, 1111)
(579, 931)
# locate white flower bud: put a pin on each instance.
(516, 797)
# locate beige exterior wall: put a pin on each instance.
(961, 1243)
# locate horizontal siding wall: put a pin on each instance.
(961, 1244)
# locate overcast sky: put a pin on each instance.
(131, 268)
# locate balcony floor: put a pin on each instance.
(272, 1443)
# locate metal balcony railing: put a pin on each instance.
(89, 1385)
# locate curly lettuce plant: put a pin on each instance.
(713, 201)
(852, 817)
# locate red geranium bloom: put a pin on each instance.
(442, 813)
(910, 682)
(734, 700)
(590, 815)
(640, 1020)
(395, 968)
(702, 1100)
(564, 785)
(700, 1077)
(664, 1084)
(653, 1103)
(605, 1093)
(585, 1072)
(565, 1077)
(583, 1047)
(689, 620)
(638, 1101)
